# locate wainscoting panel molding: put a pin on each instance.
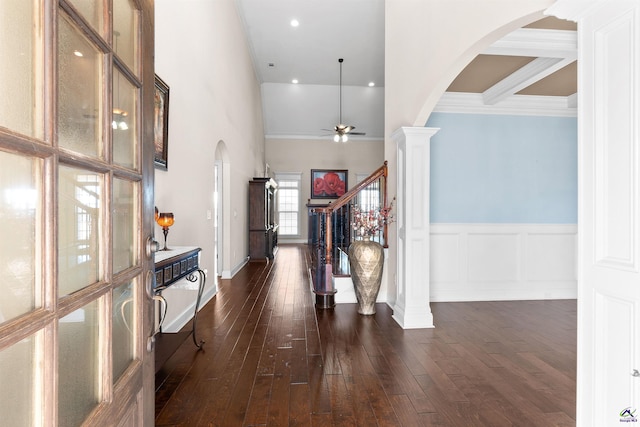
(488, 262)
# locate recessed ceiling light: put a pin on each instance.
(78, 53)
(371, 84)
(294, 81)
(294, 23)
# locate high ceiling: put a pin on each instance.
(538, 60)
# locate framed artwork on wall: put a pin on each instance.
(161, 123)
(328, 183)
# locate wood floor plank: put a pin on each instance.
(258, 407)
(279, 402)
(299, 368)
(341, 410)
(299, 409)
(362, 410)
(318, 387)
(380, 404)
(272, 359)
(406, 413)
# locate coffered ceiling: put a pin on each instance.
(538, 61)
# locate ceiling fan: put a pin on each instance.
(342, 131)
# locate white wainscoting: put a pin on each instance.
(488, 262)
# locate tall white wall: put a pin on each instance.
(202, 54)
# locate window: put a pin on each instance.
(370, 197)
(289, 203)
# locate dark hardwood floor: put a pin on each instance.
(270, 358)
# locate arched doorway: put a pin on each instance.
(608, 295)
(503, 176)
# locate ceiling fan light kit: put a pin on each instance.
(340, 137)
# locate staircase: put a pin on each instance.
(331, 233)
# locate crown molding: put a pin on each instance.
(517, 105)
(537, 43)
(352, 138)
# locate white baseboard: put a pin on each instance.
(228, 274)
(488, 262)
(284, 241)
(177, 322)
(500, 293)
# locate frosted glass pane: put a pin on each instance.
(20, 214)
(124, 224)
(18, 400)
(125, 32)
(91, 10)
(124, 121)
(20, 43)
(78, 368)
(123, 328)
(80, 83)
(79, 229)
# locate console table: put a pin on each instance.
(172, 265)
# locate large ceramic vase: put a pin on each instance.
(366, 259)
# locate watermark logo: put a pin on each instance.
(628, 415)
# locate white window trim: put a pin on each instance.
(292, 176)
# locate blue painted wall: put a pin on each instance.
(503, 169)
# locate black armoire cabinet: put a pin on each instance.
(263, 227)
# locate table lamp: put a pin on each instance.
(165, 220)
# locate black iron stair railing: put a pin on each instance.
(331, 233)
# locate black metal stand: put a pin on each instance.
(192, 278)
(168, 270)
(165, 231)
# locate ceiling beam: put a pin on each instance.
(553, 50)
(535, 70)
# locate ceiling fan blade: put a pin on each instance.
(357, 133)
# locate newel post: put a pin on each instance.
(412, 309)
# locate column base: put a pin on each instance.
(413, 318)
(325, 301)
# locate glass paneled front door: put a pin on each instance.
(75, 313)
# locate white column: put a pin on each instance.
(412, 308)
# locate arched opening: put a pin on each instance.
(430, 78)
(503, 176)
(608, 164)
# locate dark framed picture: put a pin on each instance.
(161, 123)
(328, 183)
